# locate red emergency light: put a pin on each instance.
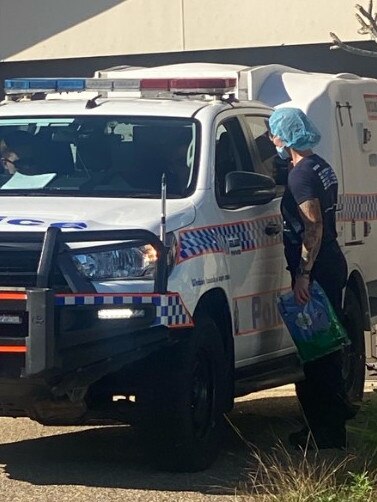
(189, 85)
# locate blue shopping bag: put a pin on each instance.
(314, 326)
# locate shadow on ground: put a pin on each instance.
(115, 456)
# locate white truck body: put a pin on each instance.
(344, 109)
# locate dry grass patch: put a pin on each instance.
(306, 477)
(316, 476)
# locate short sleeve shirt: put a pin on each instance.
(311, 178)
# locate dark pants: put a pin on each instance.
(322, 394)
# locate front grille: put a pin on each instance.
(19, 268)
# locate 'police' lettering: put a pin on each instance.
(264, 311)
(25, 222)
(79, 225)
(31, 222)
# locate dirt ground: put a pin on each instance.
(109, 463)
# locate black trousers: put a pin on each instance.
(322, 394)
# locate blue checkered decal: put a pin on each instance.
(358, 207)
(170, 310)
(249, 235)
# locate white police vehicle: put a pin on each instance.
(141, 259)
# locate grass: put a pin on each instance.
(317, 476)
(281, 477)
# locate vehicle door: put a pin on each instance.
(267, 162)
(254, 235)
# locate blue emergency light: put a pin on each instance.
(30, 85)
(48, 85)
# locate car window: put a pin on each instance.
(116, 156)
(231, 153)
(270, 163)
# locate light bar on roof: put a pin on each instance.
(147, 86)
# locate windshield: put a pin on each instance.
(98, 156)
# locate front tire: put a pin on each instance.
(187, 402)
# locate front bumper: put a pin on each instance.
(62, 341)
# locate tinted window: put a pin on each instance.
(270, 163)
(99, 156)
(231, 154)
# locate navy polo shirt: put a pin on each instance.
(311, 178)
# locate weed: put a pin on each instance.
(306, 476)
(285, 478)
(365, 430)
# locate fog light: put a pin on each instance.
(120, 314)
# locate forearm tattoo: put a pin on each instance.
(312, 218)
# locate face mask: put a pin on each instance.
(282, 152)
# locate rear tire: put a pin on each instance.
(354, 354)
(183, 408)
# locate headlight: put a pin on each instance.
(122, 263)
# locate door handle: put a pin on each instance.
(272, 228)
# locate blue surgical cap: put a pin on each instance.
(294, 128)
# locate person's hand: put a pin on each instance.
(301, 289)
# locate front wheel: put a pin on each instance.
(187, 402)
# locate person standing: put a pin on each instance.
(313, 253)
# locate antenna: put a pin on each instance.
(91, 103)
(163, 210)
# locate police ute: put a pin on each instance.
(141, 244)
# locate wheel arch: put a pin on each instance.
(215, 304)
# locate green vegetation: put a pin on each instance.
(283, 478)
(319, 476)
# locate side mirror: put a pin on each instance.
(244, 188)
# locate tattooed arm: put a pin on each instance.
(312, 218)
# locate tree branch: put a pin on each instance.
(364, 30)
(372, 26)
(368, 22)
(338, 44)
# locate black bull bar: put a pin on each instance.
(69, 344)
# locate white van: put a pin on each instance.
(141, 244)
